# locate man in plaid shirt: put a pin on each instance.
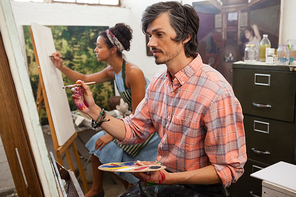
(190, 105)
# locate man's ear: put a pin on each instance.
(187, 39)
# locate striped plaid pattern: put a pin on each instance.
(198, 119)
(127, 97)
(133, 150)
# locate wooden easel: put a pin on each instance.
(59, 149)
(14, 134)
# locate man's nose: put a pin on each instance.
(152, 42)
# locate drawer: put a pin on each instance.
(272, 190)
(247, 185)
(269, 94)
(269, 141)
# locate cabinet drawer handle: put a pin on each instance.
(261, 105)
(254, 195)
(260, 152)
(262, 79)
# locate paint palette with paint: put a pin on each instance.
(131, 166)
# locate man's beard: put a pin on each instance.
(158, 62)
(167, 57)
(155, 57)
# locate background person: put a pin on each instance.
(252, 36)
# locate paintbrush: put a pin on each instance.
(77, 85)
(59, 57)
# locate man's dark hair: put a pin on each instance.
(183, 18)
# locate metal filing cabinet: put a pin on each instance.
(267, 95)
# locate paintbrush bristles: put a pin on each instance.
(79, 84)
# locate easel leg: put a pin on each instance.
(59, 158)
(40, 98)
(66, 149)
(69, 159)
(80, 167)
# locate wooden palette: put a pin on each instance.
(131, 166)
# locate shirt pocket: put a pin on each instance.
(187, 135)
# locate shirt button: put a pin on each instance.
(172, 92)
(182, 82)
(159, 156)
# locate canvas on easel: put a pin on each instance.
(50, 90)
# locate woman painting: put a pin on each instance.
(131, 84)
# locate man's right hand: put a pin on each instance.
(83, 99)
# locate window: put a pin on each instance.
(29, 0)
(102, 2)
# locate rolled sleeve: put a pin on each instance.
(128, 133)
(225, 140)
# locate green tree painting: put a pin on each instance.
(76, 44)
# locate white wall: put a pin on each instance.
(130, 13)
(288, 25)
(71, 14)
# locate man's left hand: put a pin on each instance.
(152, 177)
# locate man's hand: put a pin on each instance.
(83, 98)
(153, 177)
(103, 141)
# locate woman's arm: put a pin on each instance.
(136, 82)
(99, 77)
(256, 32)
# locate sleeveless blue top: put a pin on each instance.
(125, 93)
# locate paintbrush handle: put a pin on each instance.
(77, 85)
(59, 57)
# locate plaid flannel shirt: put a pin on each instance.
(198, 119)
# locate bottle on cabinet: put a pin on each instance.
(283, 55)
(250, 54)
(264, 43)
(270, 56)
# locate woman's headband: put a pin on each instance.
(114, 40)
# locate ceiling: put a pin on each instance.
(214, 7)
(233, 2)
